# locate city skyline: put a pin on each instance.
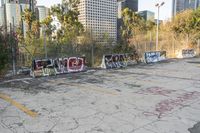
(165, 12)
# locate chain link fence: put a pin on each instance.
(94, 52)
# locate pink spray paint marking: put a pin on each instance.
(156, 91)
(168, 105)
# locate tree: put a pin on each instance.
(49, 28)
(4, 55)
(67, 14)
(28, 16)
(195, 23)
(181, 24)
(30, 40)
(132, 25)
(186, 25)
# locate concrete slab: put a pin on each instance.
(154, 98)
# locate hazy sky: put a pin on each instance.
(48, 3)
(165, 10)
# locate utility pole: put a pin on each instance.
(199, 46)
(174, 49)
(92, 51)
(150, 41)
(157, 33)
(92, 54)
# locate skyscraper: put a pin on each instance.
(181, 5)
(42, 12)
(131, 4)
(12, 10)
(2, 17)
(147, 15)
(100, 18)
(4, 1)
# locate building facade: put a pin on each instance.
(2, 17)
(181, 5)
(147, 15)
(99, 17)
(131, 4)
(12, 10)
(42, 12)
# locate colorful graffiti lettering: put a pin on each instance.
(48, 67)
(155, 56)
(118, 61)
(61, 65)
(188, 53)
(75, 64)
(43, 67)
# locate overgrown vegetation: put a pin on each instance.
(4, 54)
(182, 32)
(136, 34)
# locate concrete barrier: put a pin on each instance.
(154, 56)
(188, 53)
(48, 67)
(42, 67)
(60, 65)
(76, 64)
(118, 61)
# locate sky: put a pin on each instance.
(165, 10)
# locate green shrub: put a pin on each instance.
(3, 55)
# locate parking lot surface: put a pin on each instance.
(153, 98)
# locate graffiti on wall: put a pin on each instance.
(76, 64)
(118, 61)
(154, 56)
(48, 67)
(44, 67)
(60, 65)
(188, 53)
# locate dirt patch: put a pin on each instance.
(32, 86)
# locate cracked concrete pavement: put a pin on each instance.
(155, 98)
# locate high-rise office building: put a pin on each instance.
(4, 2)
(181, 5)
(2, 17)
(42, 12)
(131, 4)
(147, 15)
(12, 10)
(193, 4)
(13, 15)
(99, 17)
